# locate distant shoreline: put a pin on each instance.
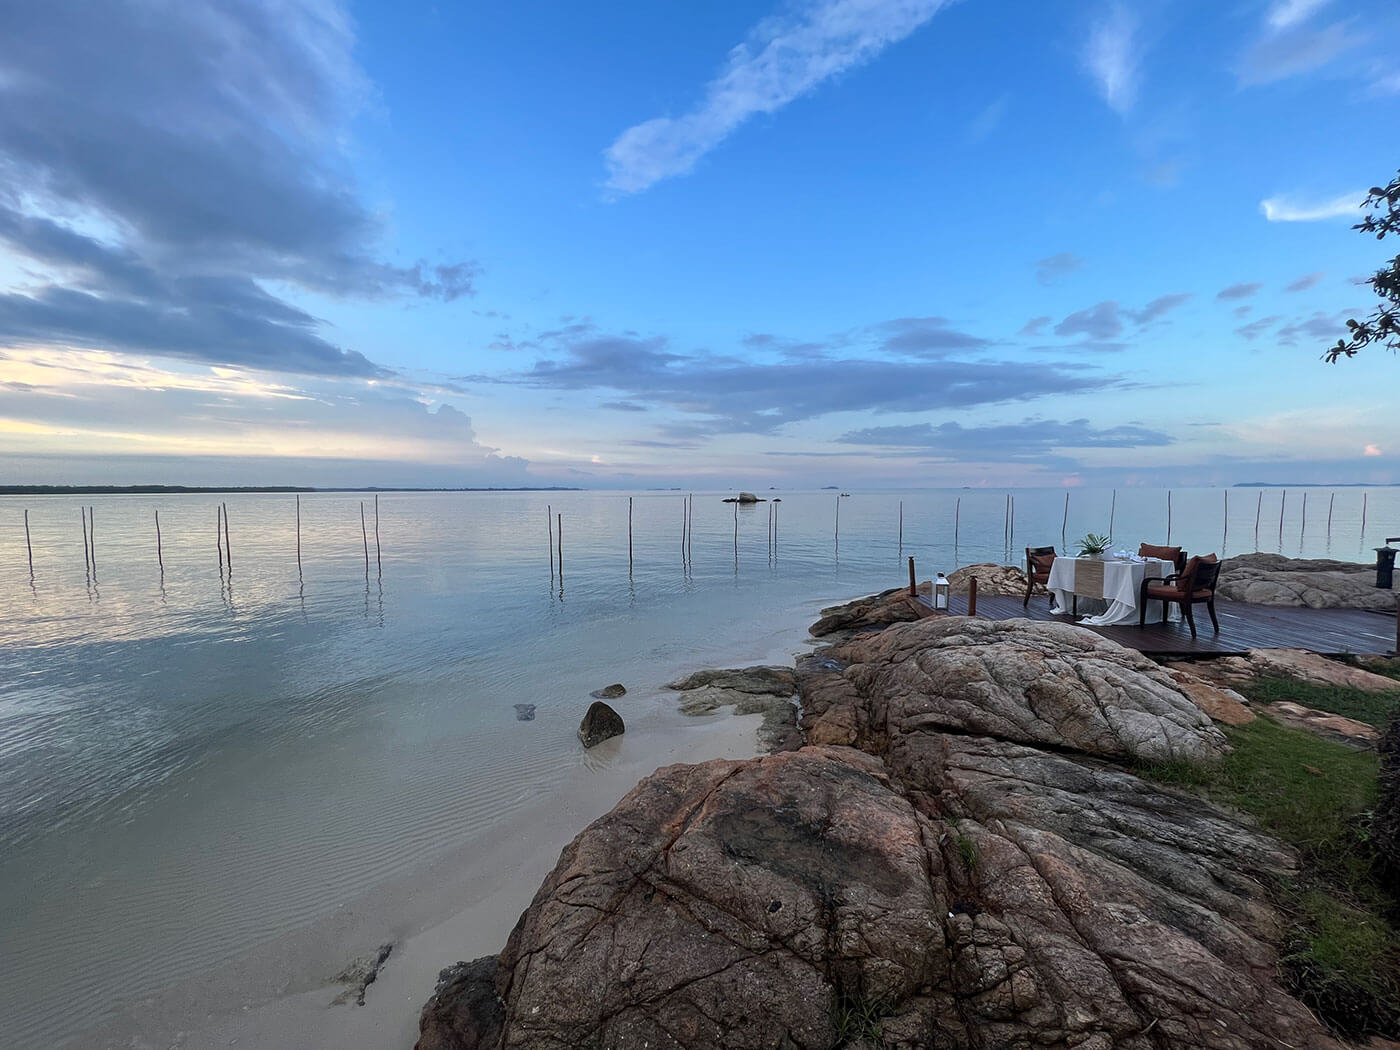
(160, 490)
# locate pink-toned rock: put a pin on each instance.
(1324, 723)
(1222, 704)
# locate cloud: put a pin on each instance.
(1159, 307)
(783, 58)
(1035, 326)
(1287, 208)
(1286, 13)
(1053, 266)
(1293, 51)
(1371, 450)
(1239, 291)
(717, 395)
(1097, 322)
(1028, 440)
(988, 118)
(1255, 329)
(1111, 56)
(1302, 284)
(159, 172)
(1320, 327)
(925, 337)
(623, 406)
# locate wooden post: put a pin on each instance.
(549, 520)
(219, 535)
(1169, 517)
(690, 529)
(298, 534)
(560, 522)
(1363, 516)
(736, 531)
(364, 535)
(1006, 523)
(1283, 502)
(629, 533)
(1064, 524)
(1258, 510)
(775, 531)
(1332, 500)
(228, 547)
(1112, 512)
(87, 561)
(160, 557)
(957, 521)
(92, 537)
(378, 552)
(913, 587)
(770, 530)
(1224, 535)
(685, 523)
(972, 596)
(27, 545)
(1303, 519)
(838, 523)
(1013, 522)
(901, 526)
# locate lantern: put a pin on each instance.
(941, 589)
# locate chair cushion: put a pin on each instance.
(1148, 550)
(1158, 590)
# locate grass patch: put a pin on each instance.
(1372, 708)
(858, 1019)
(1341, 951)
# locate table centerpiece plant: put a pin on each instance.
(1093, 546)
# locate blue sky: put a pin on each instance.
(899, 242)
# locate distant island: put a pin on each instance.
(146, 490)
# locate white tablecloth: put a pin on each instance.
(1122, 583)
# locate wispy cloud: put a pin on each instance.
(1112, 57)
(1302, 284)
(1292, 208)
(783, 58)
(1298, 49)
(988, 118)
(1053, 266)
(1243, 290)
(1285, 13)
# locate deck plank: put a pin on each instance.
(1242, 627)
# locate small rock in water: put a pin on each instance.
(525, 712)
(609, 692)
(600, 723)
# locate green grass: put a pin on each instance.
(1341, 951)
(1371, 708)
(858, 1019)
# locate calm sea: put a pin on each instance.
(192, 762)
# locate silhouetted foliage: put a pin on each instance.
(1384, 325)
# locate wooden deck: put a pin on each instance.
(1242, 627)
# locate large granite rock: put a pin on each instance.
(1318, 583)
(1313, 668)
(600, 722)
(767, 691)
(992, 579)
(1048, 684)
(981, 874)
(873, 612)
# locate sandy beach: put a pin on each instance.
(459, 907)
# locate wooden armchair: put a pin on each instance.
(1038, 562)
(1195, 583)
(1175, 555)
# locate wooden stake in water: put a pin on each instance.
(1363, 516)
(92, 538)
(901, 526)
(228, 547)
(1064, 525)
(1169, 517)
(1112, 511)
(690, 529)
(87, 561)
(1283, 502)
(957, 521)
(1303, 523)
(1330, 502)
(1226, 533)
(629, 533)
(160, 557)
(378, 553)
(27, 545)
(298, 534)
(685, 523)
(736, 533)
(560, 530)
(549, 521)
(1012, 542)
(364, 535)
(219, 535)
(838, 523)
(770, 531)
(1258, 510)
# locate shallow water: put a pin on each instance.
(192, 763)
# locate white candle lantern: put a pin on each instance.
(941, 589)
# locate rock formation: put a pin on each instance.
(992, 579)
(1298, 664)
(982, 869)
(609, 692)
(769, 691)
(877, 610)
(600, 722)
(1318, 583)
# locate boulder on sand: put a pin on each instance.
(609, 692)
(992, 579)
(600, 722)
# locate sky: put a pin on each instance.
(855, 242)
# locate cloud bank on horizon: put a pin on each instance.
(270, 236)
